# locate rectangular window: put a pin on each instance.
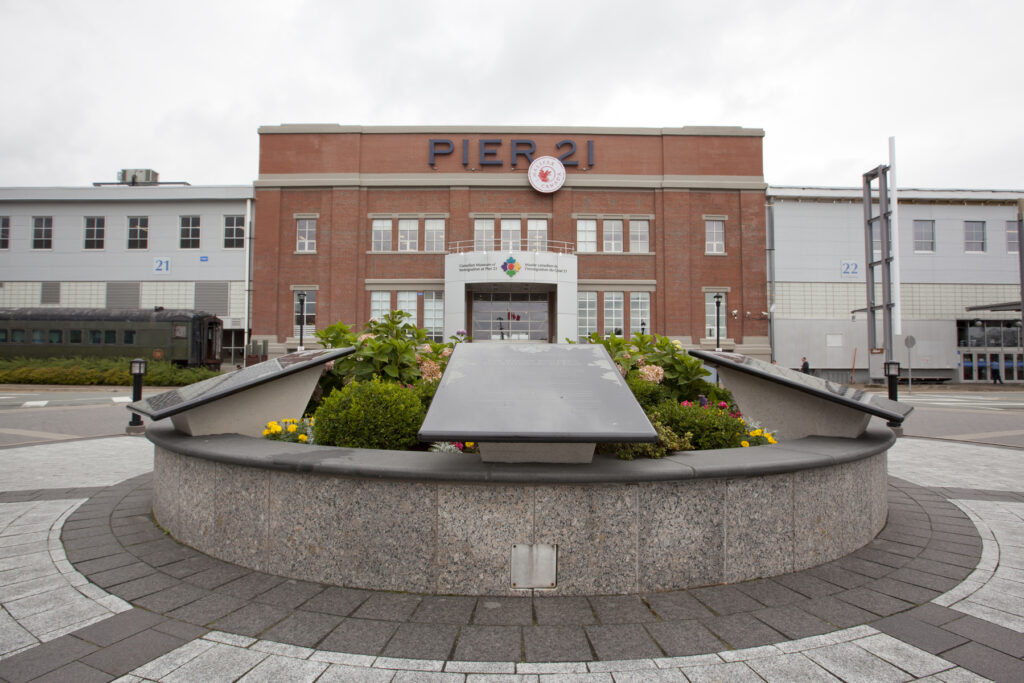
(613, 309)
(408, 234)
(537, 234)
(714, 237)
(433, 315)
(5, 232)
(305, 312)
(613, 236)
(3, 335)
(974, 236)
(42, 232)
(380, 234)
(128, 336)
(1012, 237)
(380, 304)
(433, 234)
(511, 234)
(586, 314)
(639, 237)
(483, 234)
(75, 336)
(55, 337)
(639, 312)
(109, 336)
(138, 232)
(305, 235)
(38, 336)
(18, 336)
(586, 235)
(95, 226)
(924, 236)
(715, 313)
(95, 337)
(234, 232)
(407, 303)
(189, 232)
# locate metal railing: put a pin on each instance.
(529, 244)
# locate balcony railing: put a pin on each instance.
(529, 244)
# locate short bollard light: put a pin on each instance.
(137, 369)
(891, 368)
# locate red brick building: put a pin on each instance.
(630, 230)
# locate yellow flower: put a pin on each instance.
(292, 428)
(771, 439)
(303, 438)
(757, 432)
(744, 443)
(276, 429)
(272, 424)
(266, 432)
(470, 444)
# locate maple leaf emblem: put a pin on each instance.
(544, 174)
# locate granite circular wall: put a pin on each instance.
(446, 523)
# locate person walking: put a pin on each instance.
(997, 378)
(805, 367)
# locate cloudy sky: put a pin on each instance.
(181, 87)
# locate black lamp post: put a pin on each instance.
(302, 317)
(892, 375)
(137, 368)
(643, 327)
(718, 324)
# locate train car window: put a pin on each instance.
(181, 332)
(95, 337)
(38, 337)
(109, 336)
(18, 336)
(129, 336)
(3, 336)
(56, 337)
(75, 336)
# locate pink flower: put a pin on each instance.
(686, 404)
(430, 370)
(652, 373)
(446, 352)
(723, 404)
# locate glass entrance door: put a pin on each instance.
(510, 316)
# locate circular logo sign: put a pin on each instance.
(546, 174)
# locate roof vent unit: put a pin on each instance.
(138, 176)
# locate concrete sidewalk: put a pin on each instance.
(92, 590)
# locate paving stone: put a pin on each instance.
(851, 663)
(251, 585)
(556, 644)
(769, 593)
(252, 619)
(903, 591)
(444, 609)
(739, 672)
(388, 606)
(882, 557)
(924, 579)
(919, 634)
(343, 673)
(991, 635)
(93, 552)
(179, 629)
(422, 641)
(621, 609)
(119, 627)
(216, 576)
(275, 668)
(75, 672)
(132, 652)
(676, 605)
(563, 610)
(359, 636)
(123, 574)
(494, 611)
(966, 561)
(950, 571)
(43, 658)
(836, 612)
(489, 644)
(340, 601)
(622, 641)
(916, 662)
(986, 662)
(806, 584)
(833, 573)
(793, 622)
(682, 638)
(146, 585)
(305, 629)
(290, 593)
(791, 667)
(877, 603)
(723, 600)
(170, 598)
(866, 567)
(933, 614)
(743, 631)
(218, 663)
(90, 567)
(207, 609)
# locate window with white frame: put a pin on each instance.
(1012, 237)
(974, 236)
(613, 235)
(234, 232)
(924, 236)
(433, 314)
(586, 314)
(138, 232)
(305, 311)
(380, 304)
(305, 235)
(537, 234)
(613, 313)
(714, 236)
(408, 234)
(639, 312)
(381, 234)
(586, 235)
(189, 232)
(42, 232)
(511, 234)
(5, 232)
(407, 303)
(483, 234)
(639, 236)
(433, 234)
(95, 226)
(715, 313)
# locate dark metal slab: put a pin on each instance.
(194, 395)
(850, 397)
(534, 393)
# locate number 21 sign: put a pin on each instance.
(161, 266)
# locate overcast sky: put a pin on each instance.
(181, 87)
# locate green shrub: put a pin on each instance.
(95, 371)
(710, 427)
(371, 414)
(648, 394)
(668, 442)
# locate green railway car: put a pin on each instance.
(184, 337)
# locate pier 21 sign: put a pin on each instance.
(492, 152)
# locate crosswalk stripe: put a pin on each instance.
(34, 404)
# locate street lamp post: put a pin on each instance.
(302, 318)
(718, 324)
(137, 368)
